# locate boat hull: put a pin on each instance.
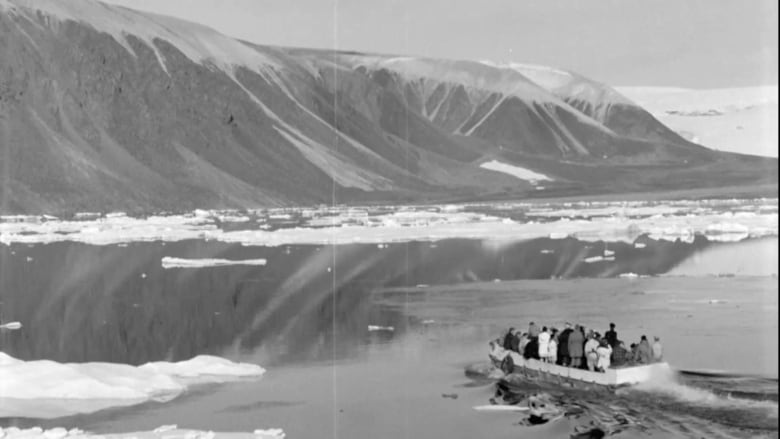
(612, 377)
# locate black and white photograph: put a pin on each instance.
(359, 219)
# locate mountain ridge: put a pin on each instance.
(105, 108)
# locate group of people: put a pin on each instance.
(576, 347)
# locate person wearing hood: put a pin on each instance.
(643, 351)
(575, 343)
(658, 350)
(563, 346)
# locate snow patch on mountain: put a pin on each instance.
(515, 171)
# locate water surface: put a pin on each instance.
(306, 315)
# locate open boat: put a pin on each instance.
(620, 376)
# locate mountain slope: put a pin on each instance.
(103, 107)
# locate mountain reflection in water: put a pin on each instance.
(116, 303)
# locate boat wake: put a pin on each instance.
(685, 404)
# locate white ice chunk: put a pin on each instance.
(163, 432)
(380, 328)
(44, 388)
(679, 220)
(171, 262)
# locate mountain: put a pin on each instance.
(104, 108)
(729, 119)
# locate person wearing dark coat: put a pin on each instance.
(516, 342)
(532, 349)
(611, 336)
(510, 335)
(576, 344)
(563, 346)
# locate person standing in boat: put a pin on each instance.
(658, 350)
(563, 346)
(575, 342)
(591, 356)
(533, 331)
(611, 336)
(516, 342)
(620, 355)
(604, 353)
(544, 345)
(522, 343)
(532, 348)
(643, 351)
(508, 339)
(552, 351)
(633, 355)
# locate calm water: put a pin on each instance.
(305, 317)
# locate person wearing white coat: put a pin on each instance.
(604, 352)
(544, 345)
(552, 350)
(591, 356)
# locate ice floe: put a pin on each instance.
(162, 432)
(599, 258)
(43, 388)
(717, 220)
(373, 328)
(171, 262)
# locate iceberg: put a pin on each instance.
(45, 389)
(171, 262)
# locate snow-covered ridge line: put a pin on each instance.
(722, 220)
(163, 432)
(71, 388)
(171, 262)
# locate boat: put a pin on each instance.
(612, 377)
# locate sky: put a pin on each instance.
(683, 43)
